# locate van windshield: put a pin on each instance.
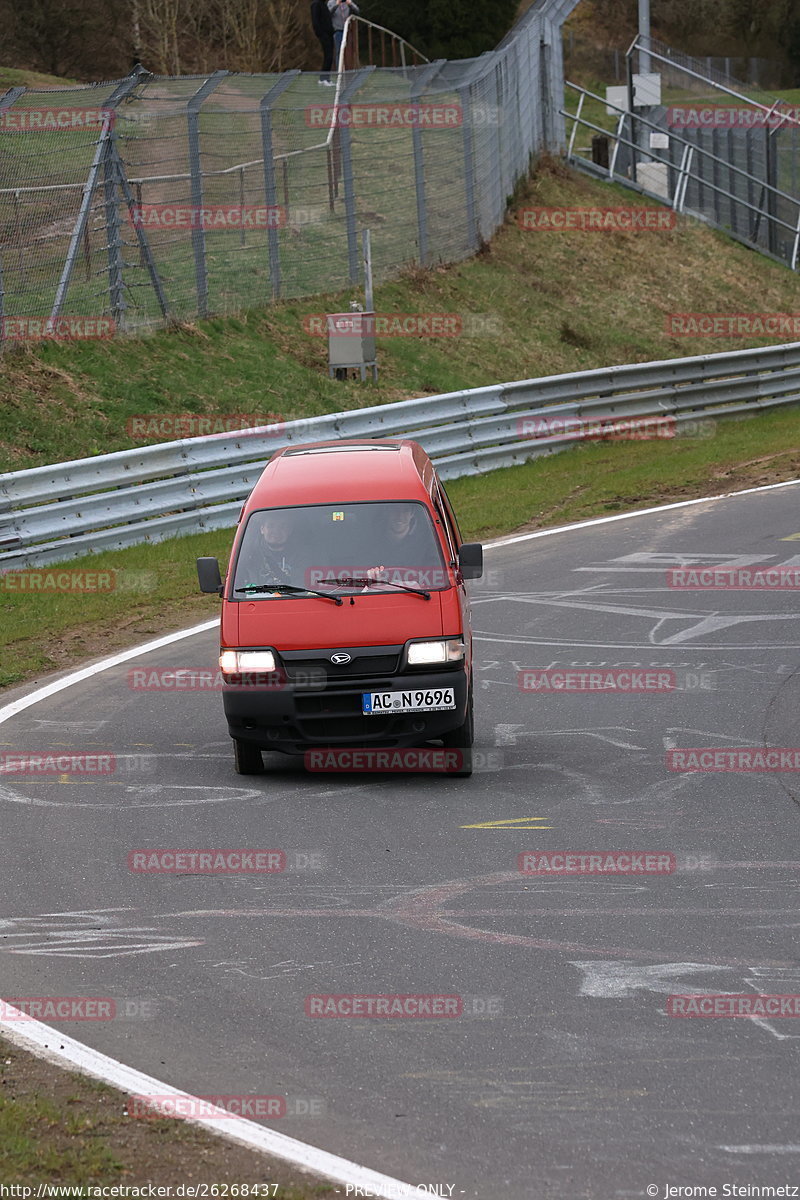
(383, 544)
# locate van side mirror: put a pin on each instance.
(470, 560)
(209, 576)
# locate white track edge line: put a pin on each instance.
(50, 689)
(38, 1038)
(639, 512)
(110, 1070)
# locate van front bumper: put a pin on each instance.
(293, 717)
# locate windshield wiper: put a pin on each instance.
(289, 589)
(349, 581)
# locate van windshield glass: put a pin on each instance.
(382, 544)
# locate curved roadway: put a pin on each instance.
(565, 1076)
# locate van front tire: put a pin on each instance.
(247, 758)
(462, 739)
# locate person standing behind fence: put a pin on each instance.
(322, 25)
(340, 10)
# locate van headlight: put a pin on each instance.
(236, 662)
(447, 650)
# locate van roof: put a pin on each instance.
(346, 470)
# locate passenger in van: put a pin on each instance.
(407, 541)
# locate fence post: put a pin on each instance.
(473, 236)
(732, 181)
(348, 91)
(116, 288)
(715, 176)
(109, 107)
(196, 172)
(80, 224)
(422, 82)
(145, 252)
(771, 173)
(270, 186)
(631, 119)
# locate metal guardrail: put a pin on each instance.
(55, 513)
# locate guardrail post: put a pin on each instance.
(347, 173)
(196, 172)
(417, 91)
(270, 186)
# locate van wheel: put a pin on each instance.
(462, 739)
(247, 758)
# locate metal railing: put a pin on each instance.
(55, 513)
(740, 172)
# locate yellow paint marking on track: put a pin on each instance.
(793, 537)
(511, 823)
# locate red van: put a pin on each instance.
(345, 619)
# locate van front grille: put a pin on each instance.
(366, 662)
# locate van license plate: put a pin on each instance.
(428, 700)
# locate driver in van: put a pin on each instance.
(269, 559)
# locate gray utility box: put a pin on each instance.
(351, 343)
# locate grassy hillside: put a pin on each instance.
(557, 302)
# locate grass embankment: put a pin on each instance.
(62, 1128)
(561, 302)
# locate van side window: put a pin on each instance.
(449, 521)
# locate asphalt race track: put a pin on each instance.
(564, 1076)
